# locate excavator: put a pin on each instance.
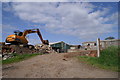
(20, 37)
(19, 43)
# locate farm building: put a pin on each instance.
(75, 46)
(60, 46)
(92, 45)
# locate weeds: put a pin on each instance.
(18, 58)
(108, 59)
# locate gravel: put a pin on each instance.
(54, 66)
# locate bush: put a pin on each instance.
(109, 56)
(108, 59)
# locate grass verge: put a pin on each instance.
(18, 58)
(108, 59)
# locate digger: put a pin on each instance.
(18, 39)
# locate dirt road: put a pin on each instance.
(54, 66)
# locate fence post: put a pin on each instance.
(98, 47)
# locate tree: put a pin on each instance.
(108, 38)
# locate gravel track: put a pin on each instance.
(54, 66)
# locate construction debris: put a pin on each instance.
(18, 44)
(7, 51)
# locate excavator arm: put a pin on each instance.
(39, 34)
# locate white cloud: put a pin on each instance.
(77, 19)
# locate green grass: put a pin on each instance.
(108, 59)
(18, 58)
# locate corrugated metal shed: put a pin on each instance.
(60, 47)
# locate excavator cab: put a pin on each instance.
(18, 33)
(16, 38)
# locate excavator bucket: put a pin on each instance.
(46, 42)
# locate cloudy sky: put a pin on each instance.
(72, 22)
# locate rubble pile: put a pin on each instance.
(7, 51)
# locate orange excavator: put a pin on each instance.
(19, 44)
(20, 37)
